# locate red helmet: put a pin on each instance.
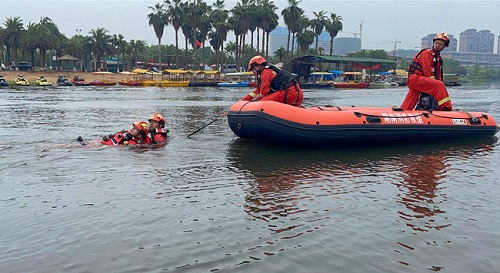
(256, 60)
(443, 37)
(158, 118)
(142, 126)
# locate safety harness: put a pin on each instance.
(282, 81)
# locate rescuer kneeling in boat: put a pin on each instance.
(157, 131)
(425, 75)
(274, 84)
(137, 134)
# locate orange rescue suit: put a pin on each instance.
(294, 95)
(158, 135)
(124, 138)
(425, 75)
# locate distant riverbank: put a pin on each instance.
(32, 76)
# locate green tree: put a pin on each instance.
(221, 27)
(174, 14)
(197, 11)
(240, 22)
(100, 45)
(268, 22)
(369, 53)
(137, 48)
(43, 36)
(292, 15)
(333, 26)
(187, 29)
(120, 46)
(158, 19)
(451, 66)
(75, 46)
(280, 53)
(11, 35)
(318, 24)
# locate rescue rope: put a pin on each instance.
(219, 117)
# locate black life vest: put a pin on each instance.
(282, 81)
(417, 66)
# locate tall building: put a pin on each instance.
(344, 45)
(474, 47)
(498, 45)
(427, 42)
(481, 41)
(279, 38)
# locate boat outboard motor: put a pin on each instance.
(426, 102)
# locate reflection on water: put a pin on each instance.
(283, 181)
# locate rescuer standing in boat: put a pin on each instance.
(274, 84)
(425, 75)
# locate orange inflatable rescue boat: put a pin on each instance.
(331, 125)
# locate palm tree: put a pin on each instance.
(43, 36)
(1, 45)
(137, 48)
(187, 29)
(254, 16)
(333, 26)
(100, 45)
(280, 53)
(318, 24)
(76, 47)
(120, 45)
(305, 37)
(158, 19)
(268, 23)
(196, 12)
(240, 22)
(174, 13)
(291, 16)
(30, 39)
(218, 36)
(11, 36)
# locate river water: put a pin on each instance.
(216, 203)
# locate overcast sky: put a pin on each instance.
(383, 21)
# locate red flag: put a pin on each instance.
(198, 44)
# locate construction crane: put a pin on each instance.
(396, 42)
(355, 33)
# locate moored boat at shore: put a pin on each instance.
(63, 81)
(3, 82)
(21, 81)
(233, 84)
(42, 81)
(102, 83)
(167, 83)
(78, 81)
(330, 125)
(352, 85)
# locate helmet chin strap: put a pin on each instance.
(260, 69)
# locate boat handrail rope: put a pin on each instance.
(427, 114)
(239, 111)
